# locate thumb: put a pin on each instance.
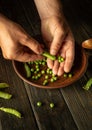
(32, 44)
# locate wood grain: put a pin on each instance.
(73, 105)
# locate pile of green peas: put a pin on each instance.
(37, 69)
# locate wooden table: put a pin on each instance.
(73, 105)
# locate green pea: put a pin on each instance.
(4, 85)
(65, 75)
(48, 69)
(39, 75)
(70, 75)
(52, 105)
(5, 95)
(36, 77)
(33, 77)
(11, 111)
(37, 69)
(50, 72)
(37, 66)
(39, 104)
(36, 62)
(43, 63)
(40, 62)
(45, 60)
(32, 69)
(60, 59)
(45, 82)
(43, 72)
(55, 78)
(52, 80)
(53, 75)
(35, 72)
(46, 76)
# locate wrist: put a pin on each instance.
(49, 8)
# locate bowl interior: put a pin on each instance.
(78, 69)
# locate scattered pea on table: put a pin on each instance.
(39, 104)
(52, 105)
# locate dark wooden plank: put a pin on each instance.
(19, 100)
(31, 15)
(46, 96)
(77, 99)
(79, 103)
(57, 118)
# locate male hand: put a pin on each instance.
(60, 41)
(16, 44)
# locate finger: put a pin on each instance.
(69, 59)
(55, 67)
(57, 42)
(50, 63)
(32, 44)
(61, 69)
(27, 57)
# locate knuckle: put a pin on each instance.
(8, 56)
(26, 38)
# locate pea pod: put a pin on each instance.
(5, 95)
(11, 111)
(4, 85)
(88, 84)
(27, 69)
(48, 55)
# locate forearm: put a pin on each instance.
(48, 8)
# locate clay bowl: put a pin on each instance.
(78, 69)
(87, 44)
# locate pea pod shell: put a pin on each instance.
(11, 111)
(88, 84)
(4, 85)
(5, 95)
(27, 69)
(48, 55)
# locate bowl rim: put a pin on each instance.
(82, 71)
